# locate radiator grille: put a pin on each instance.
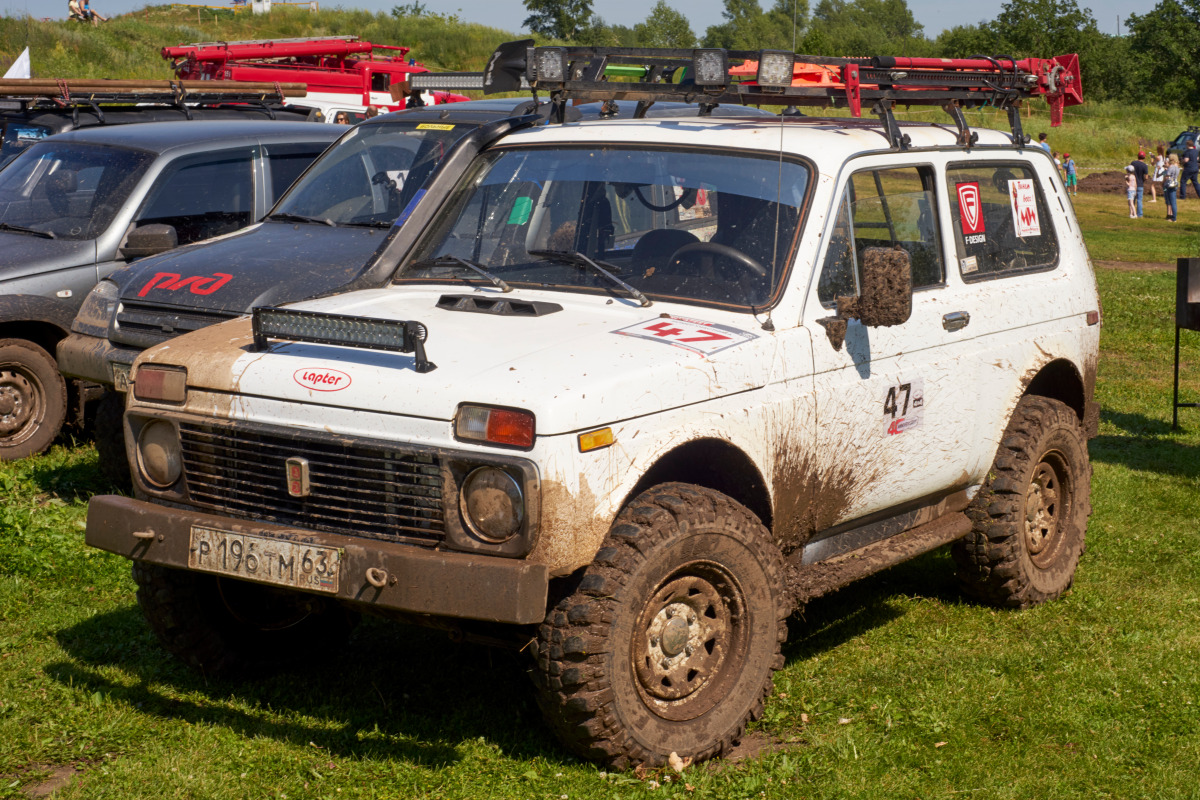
(147, 324)
(356, 490)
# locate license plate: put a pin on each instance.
(121, 377)
(259, 558)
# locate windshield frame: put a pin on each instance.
(486, 159)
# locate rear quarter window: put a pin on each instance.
(1000, 220)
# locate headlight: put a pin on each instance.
(97, 310)
(492, 504)
(158, 454)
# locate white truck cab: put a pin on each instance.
(638, 391)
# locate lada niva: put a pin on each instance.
(638, 391)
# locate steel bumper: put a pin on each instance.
(461, 585)
(91, 358)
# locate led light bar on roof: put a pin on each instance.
(286, 324)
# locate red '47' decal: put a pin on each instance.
(696, 335)
(197, 284)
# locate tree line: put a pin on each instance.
(1154, 64)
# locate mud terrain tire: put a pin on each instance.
(1031, 514)
(110, 440)
(206, 622)
(33, 399)
(670, 639)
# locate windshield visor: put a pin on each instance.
(691, 226)
(372, 174)
(70, 190)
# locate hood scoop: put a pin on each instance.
(499, 306)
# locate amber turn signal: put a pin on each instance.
(502, 426)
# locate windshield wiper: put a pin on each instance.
(580, 260)
(4, 226)
(368, 224)
(462, 262)
(286, 217)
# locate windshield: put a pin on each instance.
(17, 136)
(67, 189)
(695, 226)
(372, 174)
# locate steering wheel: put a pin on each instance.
(686, 197)
(732, 253)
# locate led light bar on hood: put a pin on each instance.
(286, 324)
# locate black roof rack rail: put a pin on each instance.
(28, 93)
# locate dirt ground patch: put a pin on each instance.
(1134, 266)
(58, 778)
(1104, 183)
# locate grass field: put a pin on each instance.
(893, 688)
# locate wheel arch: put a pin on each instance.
(714, 464)
(40, 320)
(1060, 380)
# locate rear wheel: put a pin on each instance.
(33, 399)
(229, 628)
(1031, 514)
(669, 641)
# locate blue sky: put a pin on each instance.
(935, 15)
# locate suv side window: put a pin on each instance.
(883, 208)
(203, 196)
(1000, 220)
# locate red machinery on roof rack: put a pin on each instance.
(335, 68)
(713, 76)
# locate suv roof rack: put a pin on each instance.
(20, 94)
(713, 76)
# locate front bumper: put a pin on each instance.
(460, 585)
(93, 359)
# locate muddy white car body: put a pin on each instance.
(854, 448)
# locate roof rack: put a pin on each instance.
(25, 93)
(710, 77)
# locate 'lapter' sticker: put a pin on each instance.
(696, 335)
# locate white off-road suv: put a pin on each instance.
(639, 390)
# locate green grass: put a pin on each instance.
(908, 690)
(1112, 236)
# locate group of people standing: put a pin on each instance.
(1172, 171)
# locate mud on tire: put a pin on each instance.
(33, 399)
(1031, 514)
(228, 628)
(670, 639)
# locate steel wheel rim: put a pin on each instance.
(1046, 508)
(687, 641)
(22, 403)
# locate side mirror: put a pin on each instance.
(886, 296)
(149, 240)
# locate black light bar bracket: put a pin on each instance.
(271, 323)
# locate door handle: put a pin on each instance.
(955, 320)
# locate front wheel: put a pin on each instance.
(669, 642)
(33, 399)
(228, 628)
(1031, 514)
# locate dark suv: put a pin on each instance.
(332, 232)
(79, 205)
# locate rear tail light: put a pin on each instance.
(501, 426)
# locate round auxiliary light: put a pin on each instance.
(492, 504)
(158, 454)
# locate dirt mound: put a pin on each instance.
(1104, 183)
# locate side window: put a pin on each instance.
(287, 162)
(203, 196)
(894, 208)
(1001, 224)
